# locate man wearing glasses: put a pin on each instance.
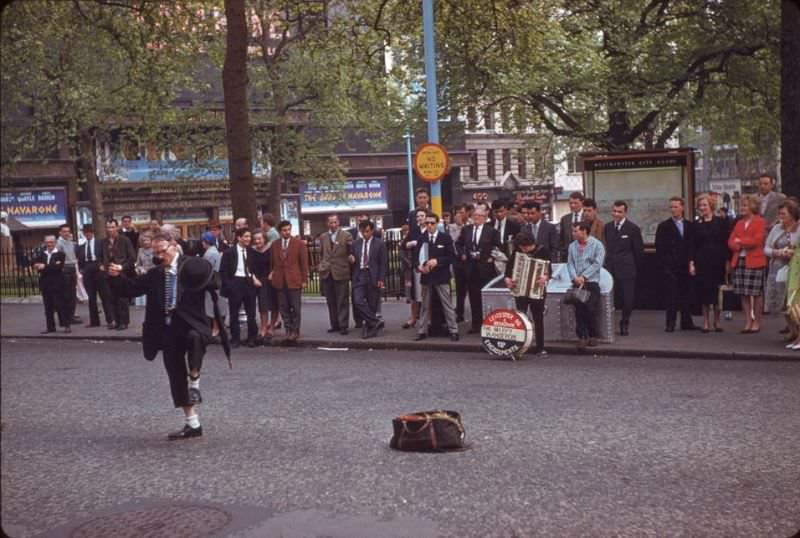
(432, 258)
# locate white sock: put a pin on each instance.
(194, 383)
(193, 421)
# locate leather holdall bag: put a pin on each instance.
(428, 431)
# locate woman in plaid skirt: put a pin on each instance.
(748, 262)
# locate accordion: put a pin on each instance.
(526, 274)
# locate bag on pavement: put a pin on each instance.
(428, 431)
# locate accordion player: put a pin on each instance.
(527, 274)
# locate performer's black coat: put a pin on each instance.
(190, 305)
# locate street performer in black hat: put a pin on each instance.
(175, 321)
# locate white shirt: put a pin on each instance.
(501, 227)
(240, 263)
(90, 256)
(577, 217)
(49, 253)
(478, 230)
(618, 225)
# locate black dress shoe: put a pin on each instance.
(374, 330)
(122, 326)
(333, 330)
(623, 329)
(194, 396)
(343, 332)
(235, 344)
(420, 336)
(251, 343)
(454, 337)
(186, 433)
(473, 330)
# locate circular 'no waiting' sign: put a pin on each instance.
(431, 162)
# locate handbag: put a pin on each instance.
(576, 296)
(428, 431)
(782, 275)
(727, 300)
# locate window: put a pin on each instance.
(505, 118)
(488, 118)
(506, 160)
(472, 119)
(574, 164)
(490, 171)
(522, 163)
(473, 164)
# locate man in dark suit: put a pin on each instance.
(475, 244)
(129, 231)
(506, 227)
(624, 253)
(543, 233)
(52, 283)
(355, 233)
(236, 272)
(574, 216)
(90, 264)
(432, 258)
(369, 261)
(175, 321)
(674, 245)
(117, 249)
(289, 277)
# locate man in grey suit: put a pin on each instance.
(574, 216)
(369, 260)
(770, 200)
(544, 233)
(334, 274)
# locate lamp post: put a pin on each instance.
(430, 94)
(407, 137)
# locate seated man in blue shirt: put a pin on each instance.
(584, 264)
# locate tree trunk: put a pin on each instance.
(88, 164)
(790, 97)
(237, 124)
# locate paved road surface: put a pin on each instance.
(296, 444)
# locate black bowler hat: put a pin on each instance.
(195, 274)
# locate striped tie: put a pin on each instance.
(170, 289)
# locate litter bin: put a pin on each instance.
(559, 319)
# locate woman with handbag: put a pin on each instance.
(748, 261)
(585, 257)
(710, 254)
(778, 249)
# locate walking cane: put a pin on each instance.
(223, 335)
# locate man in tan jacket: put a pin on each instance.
(334, 274)
(289, 276)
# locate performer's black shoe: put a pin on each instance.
(454, 337)
(420, 336)
(234, 344)
(194, 396)
(186, 433)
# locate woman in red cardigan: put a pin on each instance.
(748, 261)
